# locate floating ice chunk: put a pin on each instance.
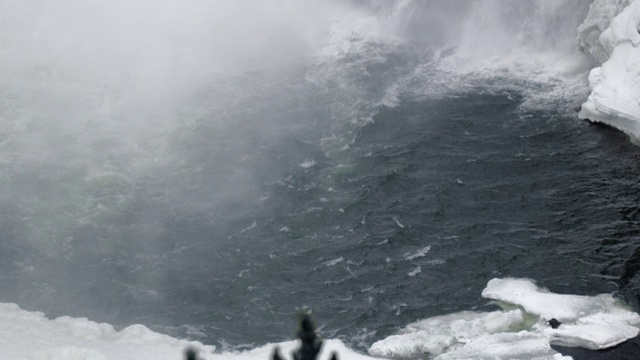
(596, 336)
(439, 334)
(592, 322)
(548, 305)
(520, 345)
(412, 344)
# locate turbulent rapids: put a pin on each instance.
(412, 172)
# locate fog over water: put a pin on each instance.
(208, 168)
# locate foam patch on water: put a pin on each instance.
(420, 253)
(308, 163)
(520, 331)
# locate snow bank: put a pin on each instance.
(520, 331)
(26, 335)
(615, 86)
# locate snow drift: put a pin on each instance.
(26, 335)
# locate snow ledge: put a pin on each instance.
(615, 86)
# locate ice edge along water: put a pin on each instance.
(518, 331)
(615, 85)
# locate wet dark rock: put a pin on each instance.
(554, 323)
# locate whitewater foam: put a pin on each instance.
(526, 48)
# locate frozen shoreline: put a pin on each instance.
(519, 330)
(615, 85)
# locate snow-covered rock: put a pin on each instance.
(615, 86)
